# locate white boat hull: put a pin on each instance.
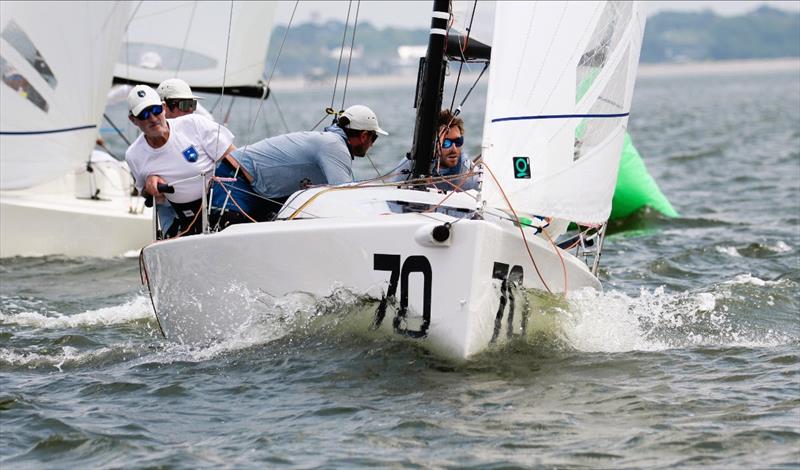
(205, 288)
(59, 218)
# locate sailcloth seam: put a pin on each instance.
(560, 116)
(51, 131)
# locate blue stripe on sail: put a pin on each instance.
(53, 131)
(559, 116)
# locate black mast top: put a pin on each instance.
(429, 98)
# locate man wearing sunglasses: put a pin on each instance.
(173, 151)
(180, 100)
(449, 162)
(276, 167)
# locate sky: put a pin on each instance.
(416, 14)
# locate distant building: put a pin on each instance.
(409, 55)
(358, 52)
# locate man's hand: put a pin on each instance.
(151, 187)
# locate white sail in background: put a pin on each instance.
(56, 64)
(560, 91)
(189, 40)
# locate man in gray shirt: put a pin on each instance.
(276, 167)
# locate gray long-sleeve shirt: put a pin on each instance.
(286, 163)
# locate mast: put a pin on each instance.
(429, 93)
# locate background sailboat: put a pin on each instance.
(50, 203)
(57, 64)
(190, 40)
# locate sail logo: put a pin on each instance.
(190, 154)
(522, 167)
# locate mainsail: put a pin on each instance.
(191, 40)
(560, 91)
(56, 62)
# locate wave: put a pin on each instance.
(138, 308)
(656, 320)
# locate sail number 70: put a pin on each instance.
(401, 271)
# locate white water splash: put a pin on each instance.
(780, 247)
(753, 280)
(69, 356)
(728, 250)
(137, 308)
(657, 320)
(269, 319)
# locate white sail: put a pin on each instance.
(559, 95)
(56, 62)
(189, 40)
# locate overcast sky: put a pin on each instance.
(416, 14)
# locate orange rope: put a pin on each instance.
(521, 230)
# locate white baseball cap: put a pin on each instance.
(175, 89)
(141, 97)
(362, 119)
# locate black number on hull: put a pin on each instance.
(508, 278)
(412, 264)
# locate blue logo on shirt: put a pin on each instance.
(190, 154)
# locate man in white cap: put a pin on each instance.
(180, 100)
(276, 167)
(173, 151)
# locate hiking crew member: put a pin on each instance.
(450, 161)
(169, 151)
(276, 167)
(180, 100)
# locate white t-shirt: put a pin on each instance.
(194, 145)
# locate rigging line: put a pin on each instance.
(469, 92)
(373, 165)
(521, 230)
(350, 57)
(222, 90)
(186, 39)
(228, 113)
(463, 58)
(272, 72)
(133, 15)
(280, 113)
(341, 53)
(127, 42)
(320, 121)
(119, 132)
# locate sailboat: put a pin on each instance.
(57, 196)
(190, 40)
(443, 267)
(57, 62)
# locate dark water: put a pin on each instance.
(690, 358)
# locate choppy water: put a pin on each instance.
(690, 358)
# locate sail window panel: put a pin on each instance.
(20, 41)
(604, 40)
(593, 131)
(161, 57)
(17, 82)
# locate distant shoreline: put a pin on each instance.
(726, 67)
(721, 67)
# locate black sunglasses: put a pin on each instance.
(183, 105)
(373, 135)
(449, 142)
(155, 110)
